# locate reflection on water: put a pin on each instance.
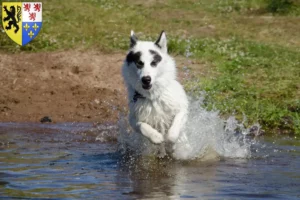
(80, 161)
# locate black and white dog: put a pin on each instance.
(157, 101)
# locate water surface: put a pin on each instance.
(81, 161)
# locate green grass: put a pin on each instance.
(252, 79)
(251, 49)
(276, 7)
(105, 24)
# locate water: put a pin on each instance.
(82, 161)
(206, 137)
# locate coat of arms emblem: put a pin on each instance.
(22, 21)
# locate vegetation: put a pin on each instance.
(281, 6)
(286, 7)
(250, 48)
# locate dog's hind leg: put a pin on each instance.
(150, 133)
(162, 150)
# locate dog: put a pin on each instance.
(158, 104)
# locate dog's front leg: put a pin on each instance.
(150, 132)
(176, 127)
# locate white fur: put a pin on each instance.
(161, 115)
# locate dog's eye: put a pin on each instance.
(153, 64)
(139, 64)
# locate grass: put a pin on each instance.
(252, 79)
(278, 7)
(251, 48)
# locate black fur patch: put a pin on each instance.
(137, 96)
(158, 40)
(133, 41)
(156, 58)
(133, 57)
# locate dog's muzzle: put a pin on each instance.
(146, 82)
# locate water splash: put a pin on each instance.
(207, 137)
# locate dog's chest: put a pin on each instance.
(159, 113)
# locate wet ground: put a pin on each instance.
(81, 161)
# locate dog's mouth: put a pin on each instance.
(146, 87)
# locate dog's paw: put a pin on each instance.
(172, 136)
(149, 132)
(162, 151)
(157, 138)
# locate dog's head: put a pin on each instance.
(147, 61)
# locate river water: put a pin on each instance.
(82, 161)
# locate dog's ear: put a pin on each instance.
(161, 42)
(133, 39)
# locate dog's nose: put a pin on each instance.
(146, 80)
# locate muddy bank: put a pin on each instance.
(66, 86)
(69, 86)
